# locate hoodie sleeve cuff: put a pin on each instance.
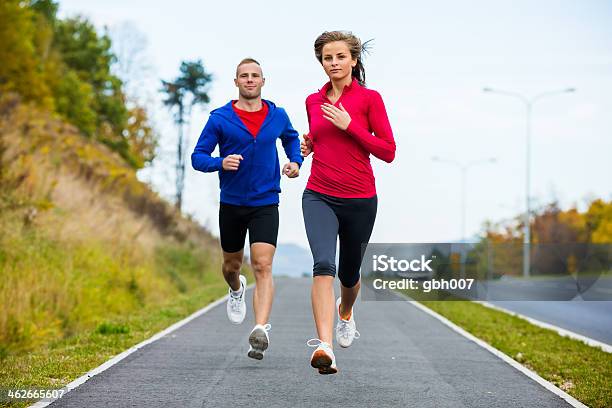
(219, 163)
(297, 159)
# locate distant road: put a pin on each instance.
(589, 318)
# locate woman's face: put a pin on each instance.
(337, 61)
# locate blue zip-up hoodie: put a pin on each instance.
(257, 180)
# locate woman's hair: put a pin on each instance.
(356, 48)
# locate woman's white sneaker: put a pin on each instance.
(323, 357)
(259, 341)
(346, 330)
(236, 304)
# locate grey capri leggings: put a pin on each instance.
(327, 218)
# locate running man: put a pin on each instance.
(246, 131)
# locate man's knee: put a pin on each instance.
(232, 265)
(262, 265)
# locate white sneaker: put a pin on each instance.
(236, 306)
(323, 357)
(346, 331)
(259, 341)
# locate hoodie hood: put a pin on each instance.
(227, 112)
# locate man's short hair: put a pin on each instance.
(247, 60)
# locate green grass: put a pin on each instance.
(582, 371)
(52, 289)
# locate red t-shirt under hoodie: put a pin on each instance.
(341, 158)
(252, 120)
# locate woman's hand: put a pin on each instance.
(339, 117)
(306, 146)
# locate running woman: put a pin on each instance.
(246, 131)
(348, 122)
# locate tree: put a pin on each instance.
(133, 63)
(90, 56)
(141, 137)
(65, 65)
(188, 90)
(21, 65)
(599, 221)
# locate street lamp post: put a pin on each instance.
(528, 109)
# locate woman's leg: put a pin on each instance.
(323, 307)
(356, 221)
(322, 231)
(348, 295)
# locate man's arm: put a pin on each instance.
(290, 139)
(201, 159)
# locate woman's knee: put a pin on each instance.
(349, 280)
(324, 267)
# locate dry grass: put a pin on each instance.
(96, 211)
(82, 240)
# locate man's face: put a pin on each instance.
(249, 80)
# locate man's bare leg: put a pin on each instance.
(261, 261)
(232, 262)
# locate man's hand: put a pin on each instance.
(339, 117)
(306, 146)
(291, 170)
(231, 162)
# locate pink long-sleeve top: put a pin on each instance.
(341, 158)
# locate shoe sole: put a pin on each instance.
(321, 361)
(259, 344)
(344, 346)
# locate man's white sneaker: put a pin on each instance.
(323, 357)
(346, 331)
(259, 341)
(236, 305)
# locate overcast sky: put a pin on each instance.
(430, 61)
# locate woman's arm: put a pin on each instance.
(382, 143)
(306, 146)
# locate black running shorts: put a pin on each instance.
(235, 220)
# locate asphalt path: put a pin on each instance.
(404, 358)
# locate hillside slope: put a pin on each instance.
(82, 241)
